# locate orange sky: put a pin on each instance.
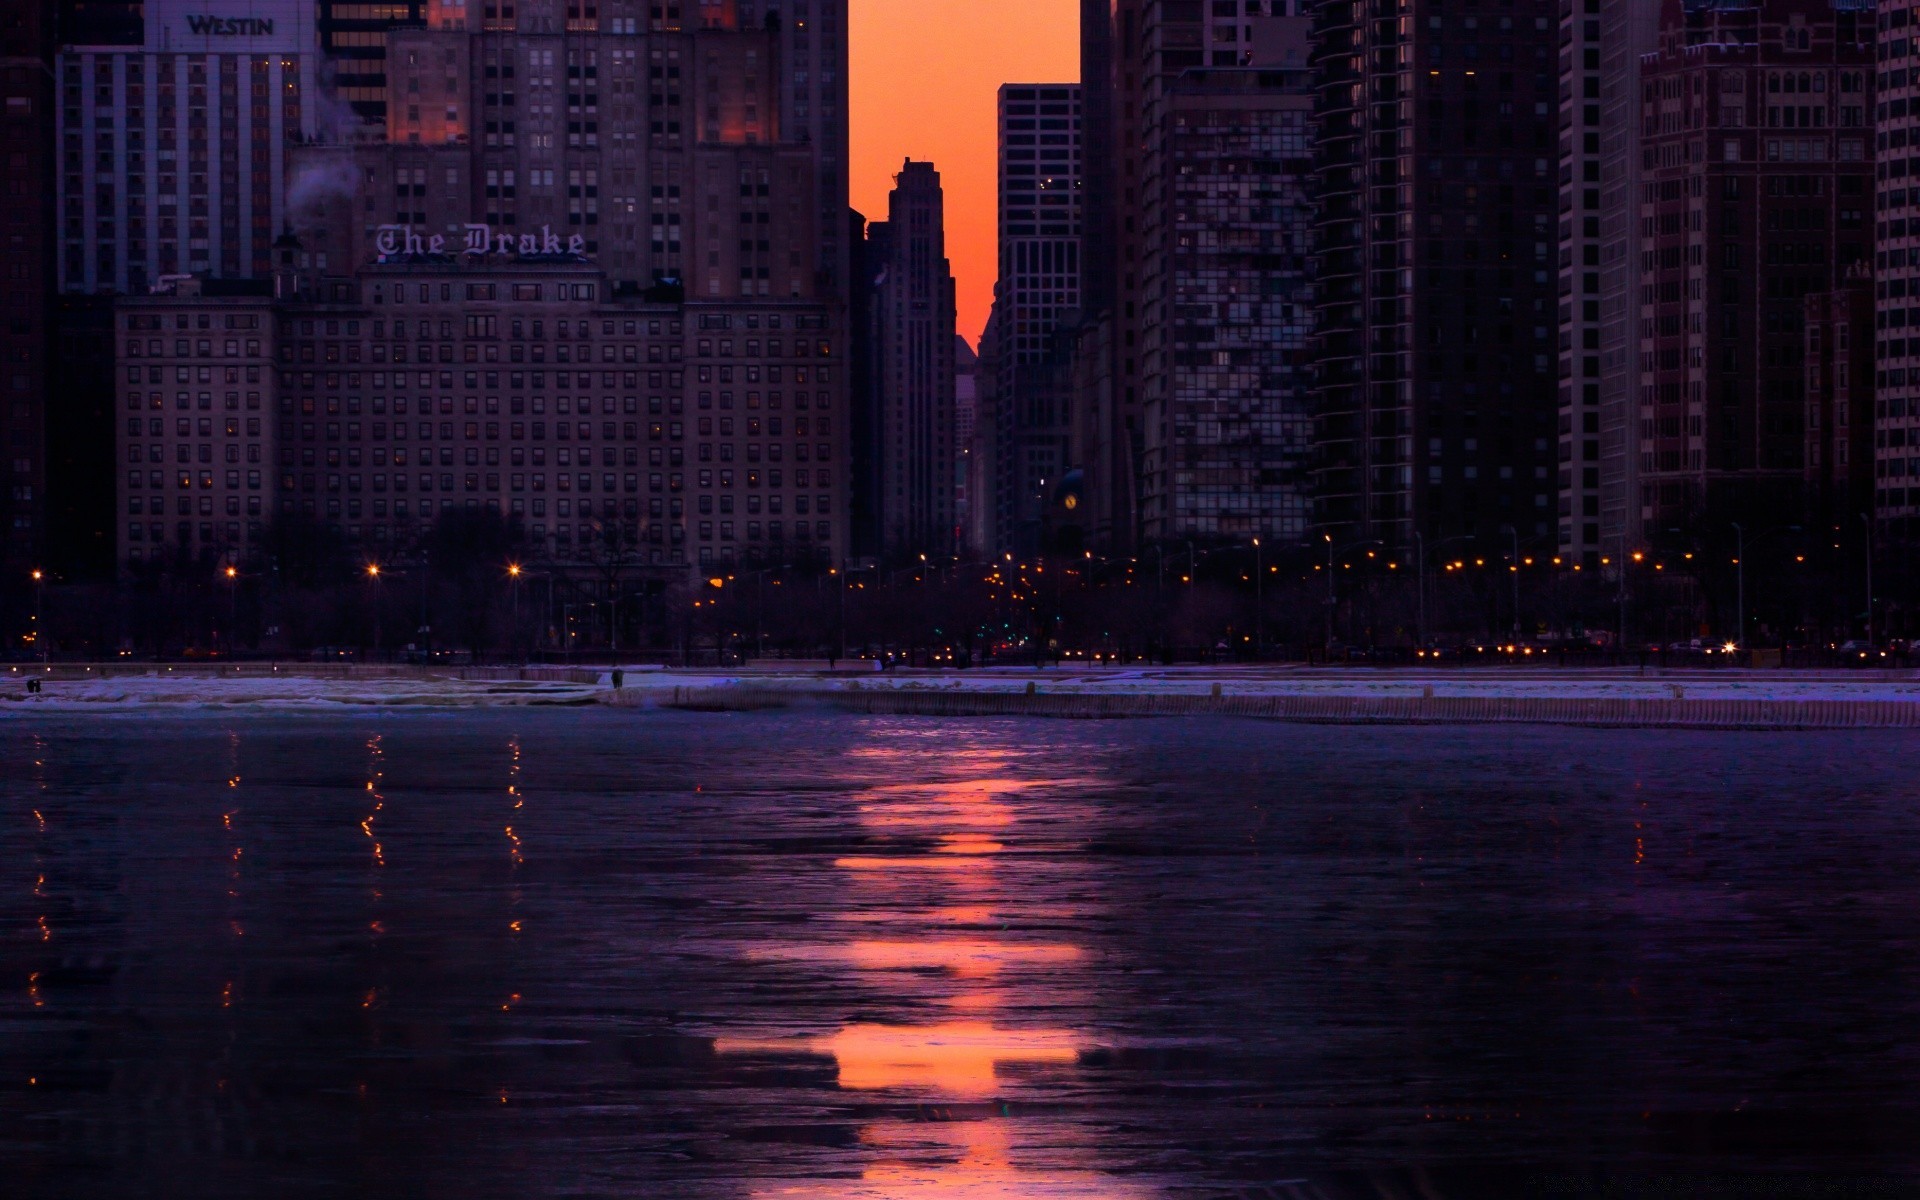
(923, 80)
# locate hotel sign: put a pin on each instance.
(211, 26)
(479, 241)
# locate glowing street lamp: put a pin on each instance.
(39, 621)
(373, 579)
(233, 605)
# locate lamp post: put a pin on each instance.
(1740, 585)
(1420, 548)
(233, 605)
(373, 596)
(39, 613)
(1515, 569)
(513, 577)
(1259, 605)
(1626, 560)
(1867, 522)
(840, 623)
(1332, 601)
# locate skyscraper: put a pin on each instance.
(913, 301)
(1628, 30)
(26, 275)
(1756, 192)
(1228, 421)
(1436, 274)
(1039, 287)
(172, 149)
(1897, 265)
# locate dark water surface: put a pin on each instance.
(526, 953)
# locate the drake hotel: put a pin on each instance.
(697, 433)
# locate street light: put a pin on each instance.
(233, 605)
(1259, 605)
(513, 575)
(1420, 549)
(373, 580)
(1866, 521)
(1515, 568)
(39, 613)
(1332, 602)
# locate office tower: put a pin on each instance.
(172, 149)
(1756, 192)
(1228, 422)
(914, 317)
(1436, 317)
(26, 277)
(1897, 265)
(1629, 29)
(1038, 287)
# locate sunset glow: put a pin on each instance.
(923, 83)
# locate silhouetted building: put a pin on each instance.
(26, 277)
(1039, 287)
(966, 411)
(914, 313)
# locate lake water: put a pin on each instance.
(557, 953)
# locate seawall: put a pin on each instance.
(1677, 712)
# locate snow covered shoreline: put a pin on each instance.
(1441, 695)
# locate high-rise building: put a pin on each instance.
(1628, 30)
(1104, 362)
(1756, 192)
(617, 133)
(26, 276)
(595, 419)
(1436, 287)
(172, 150)
(913, 303)
(1228, 421)
(1579, 304)
(1131, 358)
(1897, 265)
(1038, 287)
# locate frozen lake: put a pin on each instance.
(546, 952)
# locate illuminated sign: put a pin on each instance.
(479, 240)
(210, 26)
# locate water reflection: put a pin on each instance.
(559, 954)
(956, 941)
